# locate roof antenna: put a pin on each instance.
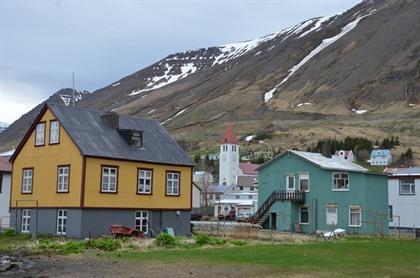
(72, 97)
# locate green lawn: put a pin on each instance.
(350, 257)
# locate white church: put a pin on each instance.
(238, 182)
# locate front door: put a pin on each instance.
(273, 221)
(331, 215)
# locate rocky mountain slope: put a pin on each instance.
(3, 126)
(353, 73)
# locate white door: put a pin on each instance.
(332, 215)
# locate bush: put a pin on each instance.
(9, 233)
(202, 239)
(165, 240)
(106, 244)
(239, 242)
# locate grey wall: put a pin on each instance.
(96, 222)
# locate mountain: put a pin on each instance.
(3, 126)
(354, 73)
(11, 137)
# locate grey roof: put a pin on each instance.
(320, 160)
(414, 171)
(95, 138)
(248, 181)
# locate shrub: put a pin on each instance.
(106, 244)
(239, 242)
(73, 247)
(202, 239)
(9, 233)
(165, 240)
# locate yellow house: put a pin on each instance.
(76, 172)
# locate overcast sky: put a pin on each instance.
(43, 42)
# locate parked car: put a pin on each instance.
(229, 217)
(243, 216)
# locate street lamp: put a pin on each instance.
(271, 148)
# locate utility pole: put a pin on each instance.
(72, 97)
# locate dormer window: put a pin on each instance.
(136, 139)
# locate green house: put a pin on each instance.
(307, 192)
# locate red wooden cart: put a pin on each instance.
(121, 231)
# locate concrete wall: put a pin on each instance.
(407, 207)
(4, 199)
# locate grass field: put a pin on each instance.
(350, 257)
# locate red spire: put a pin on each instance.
(229, 137)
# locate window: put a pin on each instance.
(172, 183)
(237, 197)
(252, 188)
(136, 139)
(61, 222)
(27, 178)
(109, 179)
(390, 214)
(1, 182)
(304, 182)
(40, 134)
(340, 182)
(144, 183)
(241, 188)
(304, 215)
(141, 220)
(290, 181)
(26, 221)
(331, 217)
(407, 187)
(355, 217)
(54, 132)
(250, 197)
(63, 173)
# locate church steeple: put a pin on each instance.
(229, 137)
(229, 157)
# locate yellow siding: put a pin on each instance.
(127, 186)
(44, 160)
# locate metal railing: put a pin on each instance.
(296, 196)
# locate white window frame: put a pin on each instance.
(360, 216)
(287, 182)
(335, 207)
(144, 175)
(172, 183)
(63, 179)
(300, 215)
(27, 180)
(61, 222)
(304, 176)
(106, 178)
(40, 134)
(333, 181)
(25, 221)
(412, 186)
(139, 223)
(54, 132)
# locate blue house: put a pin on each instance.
(307, 192)
(380, 157)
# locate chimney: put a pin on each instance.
(111, 119)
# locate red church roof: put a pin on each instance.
(229, 137)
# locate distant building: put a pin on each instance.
(404, 197)
(5, 179)
(248, 169)
(344, 155)
(380, 158)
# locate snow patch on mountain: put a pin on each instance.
(167, 78)
(78, 95)
(3, 126)
(324, 44)
(317, 25)
(174, 116)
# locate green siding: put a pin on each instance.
(368, 191)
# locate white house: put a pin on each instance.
(5, 176)
(380, 157)
(344, 155)
(404, 198)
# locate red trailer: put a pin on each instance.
(121, 231)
